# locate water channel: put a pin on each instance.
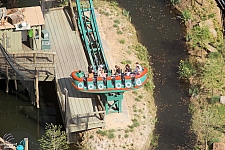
(161, 32)
(20, 118)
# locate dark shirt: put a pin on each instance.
(128, 70)
(90, 69)
(118, 71)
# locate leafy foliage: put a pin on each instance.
(54, 138)
(186, 69)
(194, 91)
(200, 36)
(175, 2)
(214, 99)
(186, 15)
(212, 72)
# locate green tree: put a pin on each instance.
(54, 138)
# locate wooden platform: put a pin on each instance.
(80, 111)
(43, 61)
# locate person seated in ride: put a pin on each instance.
(90, 71)
(139, 66)
(138, 70)
(80, 74)
(101, 74)
(127, 70)
(117, 71)
(100, 68)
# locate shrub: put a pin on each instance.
(194, 91)
(117, 21)
(186, 69)
(119, 32)
(111, 135)
(126, 13)
(122, 41)
(186, 15)
(103, 133)
(115, 26)
(175, 2)
(214, 99)
(126, 62)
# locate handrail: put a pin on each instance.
(32, 52)
(34, 56)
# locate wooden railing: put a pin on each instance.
(33, 59)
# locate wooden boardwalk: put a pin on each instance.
(80, 110)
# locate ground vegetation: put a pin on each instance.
(204, 68)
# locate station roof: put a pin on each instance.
(31, 15)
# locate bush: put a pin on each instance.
(186, 15)
(194, 91)
(214, 99)
(117, 21)
(122, 41)
(119, 32)
(175, 2)
(186, 69)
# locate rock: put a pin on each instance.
(218, 146)
(209, 24)
(213, 32)
(211, 48)
(222, 100)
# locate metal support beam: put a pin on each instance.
(112, 102)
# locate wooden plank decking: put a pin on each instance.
(82, 110)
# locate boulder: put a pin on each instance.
(209, 24)
(218, 146)
(222, 100)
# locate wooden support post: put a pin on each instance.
(34, 57)
(7, 79)
(73, 16)
(53, 59)
(37, 89)
(26, 143)
(65, 103)
(32, 94)
(38, 123)
(4, 40)
(15, 83)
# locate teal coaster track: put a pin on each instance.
(89, 33)
(111, 88)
